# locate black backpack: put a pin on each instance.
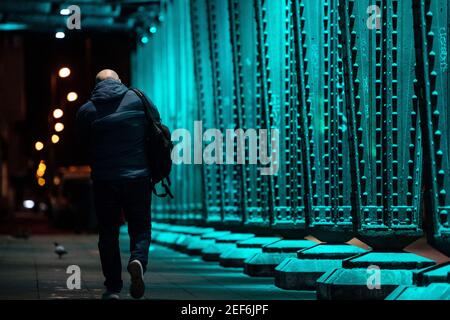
(160, 147)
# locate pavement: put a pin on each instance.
(29, 269)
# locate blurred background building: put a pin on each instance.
(47, 72)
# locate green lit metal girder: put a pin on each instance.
(326, 124)
(205, 92)
(381, 98)
(432, 27)
(362, 114)
(224, 107)
(164, 69)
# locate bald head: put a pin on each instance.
(106, 74)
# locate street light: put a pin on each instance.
(41, 182)
(59, 127)
(28, 204)
(56, 181)
(64, 72)
(64, 12)
(60, 35)
(41, 169)
(57, 113)
(72, 96)
(55, 138)
(39, 146)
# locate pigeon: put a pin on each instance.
(60, 250)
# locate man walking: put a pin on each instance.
(112, 124)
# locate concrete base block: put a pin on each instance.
(330, 251)
(166, 238)
(437, 273)
(312, 263)
(213, 252)
(263, 264)
(199, 231)
(215, 235)
(360, 284)
(208, 239)
(154, 234)
(195, 247)
(388, 260)
(236, 257)
(288, 246)
(257, 242)
(188, 230)
(179, 229)
(235, 237)
(381, 271)
(183, 242)
(156, 237)
(245, 249)
(435, 291)
(160, 226)
(302, 274)
(223, 244)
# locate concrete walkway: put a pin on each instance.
(29, 269)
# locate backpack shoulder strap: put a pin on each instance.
(145, 104)
(151, 113)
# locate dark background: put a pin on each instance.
(30, 89)
(85, 55)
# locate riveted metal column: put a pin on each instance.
(227, 112)
(381, 90)
(432, 47)
(204, 85)
(241, 55)
(330, 217)
(263, 214)
(169, 52)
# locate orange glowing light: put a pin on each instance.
(57, 113)
(72, 96)
(39, 146)
(59, 127)
(64, 72)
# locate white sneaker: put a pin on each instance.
(137, 287)
(108, 295)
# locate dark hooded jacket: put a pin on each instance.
(113, 127)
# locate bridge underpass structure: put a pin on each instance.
(358, 91)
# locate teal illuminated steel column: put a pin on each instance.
(211, 174)
(164, 69)
(243, 41)
(381, 90)
(227, 112)
(281, 104)
(323, 114)
(330, 218)
(432, 47)
(382, 93)
(279, 108)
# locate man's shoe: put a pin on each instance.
(137, 287)
(109, 295)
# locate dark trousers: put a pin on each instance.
(133, 198)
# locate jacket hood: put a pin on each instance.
(108, 90)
